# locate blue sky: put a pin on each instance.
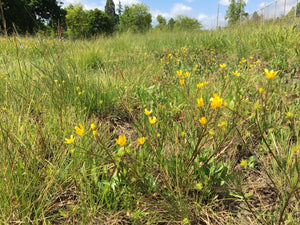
(203, 10)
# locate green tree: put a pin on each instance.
(171, 24)
(235, 11)
(292, 12)
(28, 16)
(98, 22)
(77, 21)
(162, 22)
(110, 10)
(120, 8)
(187, 23)
(136, 18)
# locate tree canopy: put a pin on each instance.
(235, 11)
(136, 18)
(28, 16)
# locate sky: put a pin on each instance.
(204, 10)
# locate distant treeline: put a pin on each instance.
(73, 21)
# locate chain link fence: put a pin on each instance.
(276, 9)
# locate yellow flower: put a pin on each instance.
(200, 102)
(203, 120)
(236, 73)
(121, 140)
(80, 130)
(152, 120)
(270, 74)
(147, 113)
(141, 140)
(95, 133)
(93, 126)
(69, 141)
(200, 85)
(179, 73)
(261, 90)
(244, 163)
(222, 124)
(186, 74)
(206, 83)
(223, 65)
(181, 81)
(216, 101)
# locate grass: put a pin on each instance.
(238, 165)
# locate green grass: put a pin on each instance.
(242, 166)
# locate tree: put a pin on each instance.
(111, 12)
(235, 11)
(187, 23)
(77, 21)
(98, 22)
(292, 12)
(31, 15)
(120, 8)
(162, 22)
(161, 19)
(136, 18)
(171, 24)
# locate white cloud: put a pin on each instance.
(189, 1)
(224, 2)
(180, 9)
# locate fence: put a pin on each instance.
(273, 10)
(276, 9)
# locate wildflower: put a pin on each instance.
(152, 120)
(223, 65)
(200, 102)
(203, 120)
(141, 140)
(236, 73)
(158, 135)
(200, 85)
(222, 124)
(95, 133)
(216, 101)
(288, 114)
(186, 74)
(181, 82)
(147, 113)
(70, 140)
(206, 83)
(121, 140)
(80, 130)
(270, 74)
(244, 163)
(179, 73)
(261, 90)
(93, 126)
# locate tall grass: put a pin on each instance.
(240, 166)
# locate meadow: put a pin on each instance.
(157, 128)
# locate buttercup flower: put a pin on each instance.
(200, 85)
(80, 130)
(222, 124)
(147, 112)
(95, 133)
(93, 126)
(152, 120)
(186, 74)
(121, 140)
(181, 81)
(203, 120)
(141, 140)
(223, 65)
(70, 140)
(270, 74)
(216, 101)
(261, 90)
(236, 73)
(179, 73)
(200, 102)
